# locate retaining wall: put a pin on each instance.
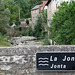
(22, 60)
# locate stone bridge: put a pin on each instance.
(22, 60)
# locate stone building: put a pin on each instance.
(35, 12)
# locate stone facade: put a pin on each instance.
(22, 60)
(34, 13)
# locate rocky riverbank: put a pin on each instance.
(25, 40)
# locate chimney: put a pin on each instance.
(39, 8)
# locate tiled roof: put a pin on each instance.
(44, 3)
(36, 7)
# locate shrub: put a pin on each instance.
(43, 34)
(12, 43)
(4, 41)
(28, 15)
(18, 27)
(63, 24)
(17, 23)
(38, 27)
(24, 33)
(3, 31)
(39, 30)
(46, 42)
(10, 23)
(27, 21)
(30, 31)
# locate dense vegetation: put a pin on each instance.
(4, 17)
(20, 6)
(39, 29)
(62, 28)
(63, 24)
(4, 41)
(4, 21)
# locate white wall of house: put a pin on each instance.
(45, 7)
(52, 7)
(34, 14)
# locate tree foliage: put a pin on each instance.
(39, 30)
(27, 21)
(25, 7)
(30, 31)
(44, 18)
(63, 24)
(4, 17)
(38, 27)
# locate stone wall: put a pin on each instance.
(22, 60)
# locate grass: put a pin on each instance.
(46, 42)
(4, 42)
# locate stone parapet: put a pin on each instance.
(22, 60)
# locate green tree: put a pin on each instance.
(44, 19)
(24, 6)
(30, 31)
(14, 10)
(63, 24)
(38, 27)
(4, 17)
